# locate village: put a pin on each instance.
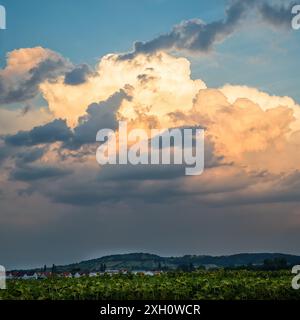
(23, 275)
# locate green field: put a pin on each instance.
(221, 284)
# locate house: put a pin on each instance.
(124, 271)
(93, 274)
(112, 272)
(140, 272)
(211, 266)
(44, 275)
(67, 275)
(30, 276)
(146, 272)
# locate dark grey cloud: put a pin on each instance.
(93, 192)
(140, 172)
(165, 184)
(78, 75)
(136, 184)
(27, 86)
(277, 16)
(5, 152)
(33, 173)
(21, 155)
(31, 155)
(57, 130)
(196, 36)
(87, 196)
(285, 189)
(98, 116)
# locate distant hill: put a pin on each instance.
(146, 261)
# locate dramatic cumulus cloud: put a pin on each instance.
(245, 128)
(156, 78)
(196, 36)
(158, 91)
(245, 133)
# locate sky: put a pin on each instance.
(68, 70)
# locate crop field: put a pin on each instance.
(221, 284)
